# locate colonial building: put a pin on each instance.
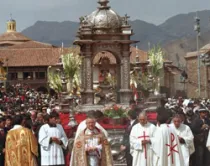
(192, 83)
(25, 60)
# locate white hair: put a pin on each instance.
(143, 113)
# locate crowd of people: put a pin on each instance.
(30, 129)
(31, 134)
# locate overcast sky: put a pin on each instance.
(27, 12)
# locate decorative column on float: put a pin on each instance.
(83, 78)
(125, 92)
(88, 79)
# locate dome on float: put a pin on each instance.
(104, 18)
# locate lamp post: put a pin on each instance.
(197, 29)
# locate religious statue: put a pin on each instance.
(103, 77)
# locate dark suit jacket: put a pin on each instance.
(200, 135)
(126, 137)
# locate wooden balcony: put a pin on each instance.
(28, 81)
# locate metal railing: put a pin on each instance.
(27, 81)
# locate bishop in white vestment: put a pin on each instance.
(165, 144)
(186, 137)
(52, 140)
(140, 150)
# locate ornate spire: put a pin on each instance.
(103, 3)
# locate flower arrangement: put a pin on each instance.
(156, 63)
(115, 112)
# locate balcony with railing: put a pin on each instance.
(28, 81)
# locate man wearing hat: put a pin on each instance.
(200, 129)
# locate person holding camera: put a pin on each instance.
(200, 129)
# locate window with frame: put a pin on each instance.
(40, 75)
(12, 76)
(27, 75)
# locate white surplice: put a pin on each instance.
(187, 148)
(166, 147)
(142, 154)
(52, 153)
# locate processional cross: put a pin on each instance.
(126, 19)
(145, 146)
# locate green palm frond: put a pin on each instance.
(71, 64)
(71, 67)
(54, 80)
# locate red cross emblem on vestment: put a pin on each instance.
(145, 146)
(172, 147)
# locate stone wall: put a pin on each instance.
(192, 84)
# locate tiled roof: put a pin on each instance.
(13, 36)
(32, 53)
(143, 56)
(206, 47)
(191, 55)
(31, 57)
(204, 50)
(32, 44)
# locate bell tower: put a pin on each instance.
(11, 25)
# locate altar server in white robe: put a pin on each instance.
(165, 144)
(98, 116)
(185, 136)
(140, 142)
(52, 140)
